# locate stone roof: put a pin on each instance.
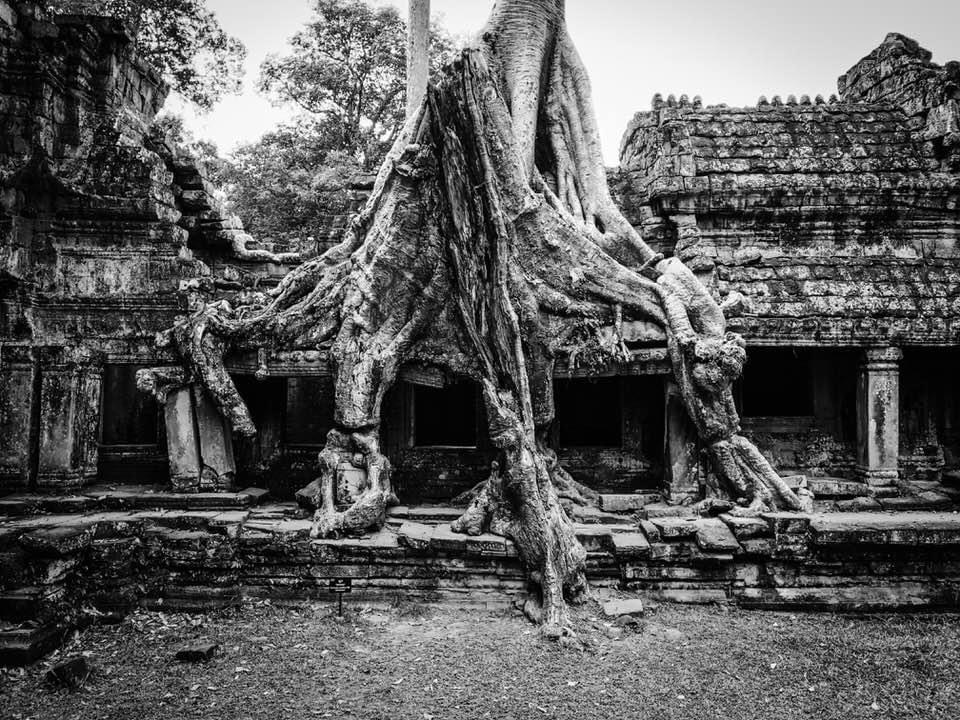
(838, 219)
(795, 148)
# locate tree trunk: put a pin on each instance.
(418, 54)
(489, 247)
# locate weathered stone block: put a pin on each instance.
(415, 535)
(714, 536)
(747, 527)
(197, 652)
(626, 503)
(630, 545)
(675, 527)
(632, 607)
(446, 540)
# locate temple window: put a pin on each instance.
(776, 383)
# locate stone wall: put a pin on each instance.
(90, 253)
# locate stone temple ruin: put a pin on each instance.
(838, 220)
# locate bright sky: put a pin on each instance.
(728, 51)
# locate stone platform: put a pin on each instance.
(120, 549)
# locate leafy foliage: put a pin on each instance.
(285, 184)
(182, 39)
(347, 71)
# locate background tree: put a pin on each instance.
(182, 39)
(346, 70)
(346, 76)
(285, 184)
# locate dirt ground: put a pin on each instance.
(438, 663)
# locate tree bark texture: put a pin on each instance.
(489, 247)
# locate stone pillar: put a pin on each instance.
(878, 416)
(69, 412)
(199, 439)
(681, 456)
(18, 376)
(418, 53)
(217, 469)
(183, 442)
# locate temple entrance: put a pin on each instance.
(132, 446)
(609, 431)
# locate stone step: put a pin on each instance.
(426, 514)
(22, 604)
(129, 498)
(595, 516)
(26, 644)
(923, 501)
(627, 503)
(901, 528)
(887, 596)
(836, 488)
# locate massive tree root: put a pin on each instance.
(706, 360)
(489, 241)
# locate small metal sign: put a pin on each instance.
(340, 586)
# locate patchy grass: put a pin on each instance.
(682, 662)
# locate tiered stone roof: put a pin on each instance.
(838, 219)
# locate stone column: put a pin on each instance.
(418, 53)
(681, 456)
(183, 442)
(199, 438)
(878, 416)
(68, 419)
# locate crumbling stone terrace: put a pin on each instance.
(837, 219)
(109, 551)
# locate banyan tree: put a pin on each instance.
(490, 248)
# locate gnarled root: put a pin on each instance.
(521, 503)
(751, 480)
(354, 488)
(706, 361)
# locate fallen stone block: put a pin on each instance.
(197, 652)
(71, 673)
(632, 607)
